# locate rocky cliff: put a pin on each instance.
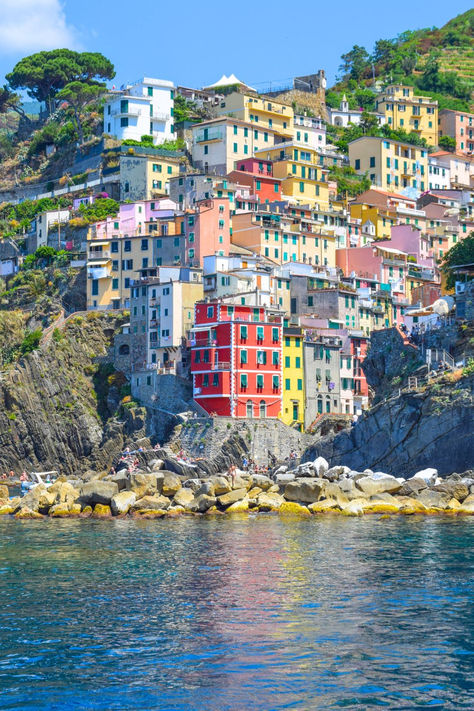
(61, 408)
(403, 434)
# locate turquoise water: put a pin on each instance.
(244, 613)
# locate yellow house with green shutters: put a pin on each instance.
(302, 176)
(293, 377)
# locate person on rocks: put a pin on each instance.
(232, 473)
(11, 474)
(245, 463)
(23, 476)
(157, 446)
(112, 471)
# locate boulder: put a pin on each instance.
(193, 484)
(324, 506)
(221, 485)
(428, 475)
(410, 506)
(65, 492)
(202, 503)
(4, 492)
(334, 492)
(434, 499)
(121, 479)
(184, 497)
(354, 507)
(151, 503)
(171, 484)
(305, 470)
(283, 479)
(65, 511)
(321, 466)
(280, 470)
(293, 509)
(453, 505)
(121, 502)
(273, 489)
(306, 490)
(101, 511)
(98, 492)
(412, 487)
(264, 482)
(467, 506)
(207, 488)
(254, 492)
(232, 496)
(156, 464)
(145, 484)
(267, 501)
(378, 483)
(238, 506)
(456, 489)
(241, 483)
(335, 473)
(26, 512)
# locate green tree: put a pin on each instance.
(9, 101)
(461, 253)
(44, 74)
(355, 62)
(78, 95)
(369, 124)
(448, 143)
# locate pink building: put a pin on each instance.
(460, 126)
(386, 264)
(413, 242)
(207, 230)
(132, 217)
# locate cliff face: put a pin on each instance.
(402, 435)
(58, 405)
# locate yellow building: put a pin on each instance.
(145, 176)
(390, 165)
(293, 377)
(402, 109)
(261, 112)
(381, 218)
(282, 238)
(304, 181)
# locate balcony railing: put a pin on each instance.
(223, 365)
(215, 135)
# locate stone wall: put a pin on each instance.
(314, 101)
(264, 439)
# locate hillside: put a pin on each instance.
(439, 62)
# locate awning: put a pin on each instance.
(97, 261)
(98, 243)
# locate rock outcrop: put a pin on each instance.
(405, 434)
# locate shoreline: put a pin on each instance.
(305, 490)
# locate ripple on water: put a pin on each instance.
(259, 613)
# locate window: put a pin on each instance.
(124, 121)
(215, 379)
(260, 334)
(300, 384)
(243, 357)
(357, 164)
(243, 333)
(372, 162)
(235, 131)
(297, 362)
(127, 245)
(144, 245)
(114, 247)
(287, 361)
(243, 380)
(275, 382)
(259, 382)
(210, 311)
(275, 358)
(287, 384)
(275, 335)
(115, 284)
(205, 380)
(191, 237)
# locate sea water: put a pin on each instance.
(257, 612)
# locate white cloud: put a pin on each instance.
(33, 25)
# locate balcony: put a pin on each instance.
(268, 107)
(132, 113)
(216, 134)
(223, 365)
(159, 116)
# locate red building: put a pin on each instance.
(361, 388)
(236, 360)
(258, 175)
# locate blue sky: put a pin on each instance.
(194, 44)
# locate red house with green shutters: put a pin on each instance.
(258, 175)
(236, 359)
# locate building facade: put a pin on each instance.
(414, 114)
(236, 361)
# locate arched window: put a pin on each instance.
(249, 408)
(263, 408)
(124, 349)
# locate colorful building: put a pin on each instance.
(219, 143)
(304, 180)
(143, 108)
(145, 172)
(460, 126)
(263, 113)
(391, 165)
(236, 361)
(414, 114)
(293, 377)
(258, 175)
(207, 230)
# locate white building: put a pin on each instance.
(309, 131)
(343, 116)
(42, 225)
(460, 167)
(439, 174)
(141, 109)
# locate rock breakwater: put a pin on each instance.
(153, 491)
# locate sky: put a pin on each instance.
(194, 44)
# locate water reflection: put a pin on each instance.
(247, 612)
